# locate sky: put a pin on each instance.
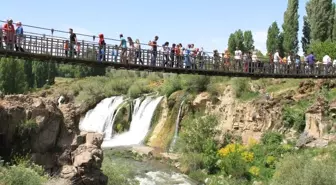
(207, 24)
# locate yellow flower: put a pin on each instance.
(251, 142)
(254, 171)
(287, 147)
(270, 160)
(248, 156)
(230, 148)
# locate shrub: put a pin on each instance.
(304, 169)
(171, 84)
(271, 138)
(195, 83)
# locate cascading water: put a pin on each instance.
(100, 119)
(141, 120)
(177, 125)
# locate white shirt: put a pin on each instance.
(276, 57)
(334, 62)
(254, 57)
(137, 46)
(289, 61)
(238, 54)
(326, 59)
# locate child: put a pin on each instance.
(115, 53)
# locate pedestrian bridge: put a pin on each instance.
(50, 48)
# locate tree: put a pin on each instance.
(305, 40)
(248, 41)
(232, 43)
(334, 23)
(321, 49)
(280, 44)
(273, 34)
(320, 17)
(41, 74)
(239, 36)
(29, 73)
(291, 27)
(12, 76)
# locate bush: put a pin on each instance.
(271, 138)
(304, 170)
(195, 83)
(171, 85)
(242, 89)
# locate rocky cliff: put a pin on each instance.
(51, 134)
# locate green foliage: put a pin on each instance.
(248, 41)
(40, 70)
(271, 138)
(171, 84)
(294, 116)
(194, 83)
(291, 27)
(320, 16)
(302, 169)
(242, 89)
(273, 34)
(305, 40)
(12, 76)
(243, 40)
(116, 173)
(321, 49)
(22, 173)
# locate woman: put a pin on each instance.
(101, 47)
(165, 48)
(172, 54)
(131, 49)
(137, 48)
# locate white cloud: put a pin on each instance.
(260, 38)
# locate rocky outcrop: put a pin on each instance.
(246, 119)
(53, 137)
(82, 165)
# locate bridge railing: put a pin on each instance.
(90, 51)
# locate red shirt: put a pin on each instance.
(9, 32)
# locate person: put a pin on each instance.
(131, 50)
(101, 47)
(1, 35)
(166, 49)
(326, 63)
(66, 48)
(115, 53)
(311, 62)
(216, 59)
(238, 57)
(9, 34)
(254, 61)
(178, 53)
(172, 55)
(154, 50)
(276, 60)
(19, 37)
(73, 42)
(137, 47)
(123, 45)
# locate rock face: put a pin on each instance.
(53, 137)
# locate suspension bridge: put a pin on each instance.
(49, 47)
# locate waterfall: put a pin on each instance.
(177, 125)
(141, 120)
(101, 118)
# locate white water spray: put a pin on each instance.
(100, 119)
(141, 120)
(177, 125)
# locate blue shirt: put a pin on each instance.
(123, 42)
(19, 31)
(311, 59)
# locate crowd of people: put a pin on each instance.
(177, 56)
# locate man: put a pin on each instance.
(9, 34)
(73, 42)
(238, 56)
(19, 37)
(311, 61)
(123, 46)
(326, 63)
(154, 50)
(276, 60)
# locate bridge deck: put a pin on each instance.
(48, 49)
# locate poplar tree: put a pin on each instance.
(320, 16)
(305, 40)
(248, 41)
(291, 27)
(273, 34)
